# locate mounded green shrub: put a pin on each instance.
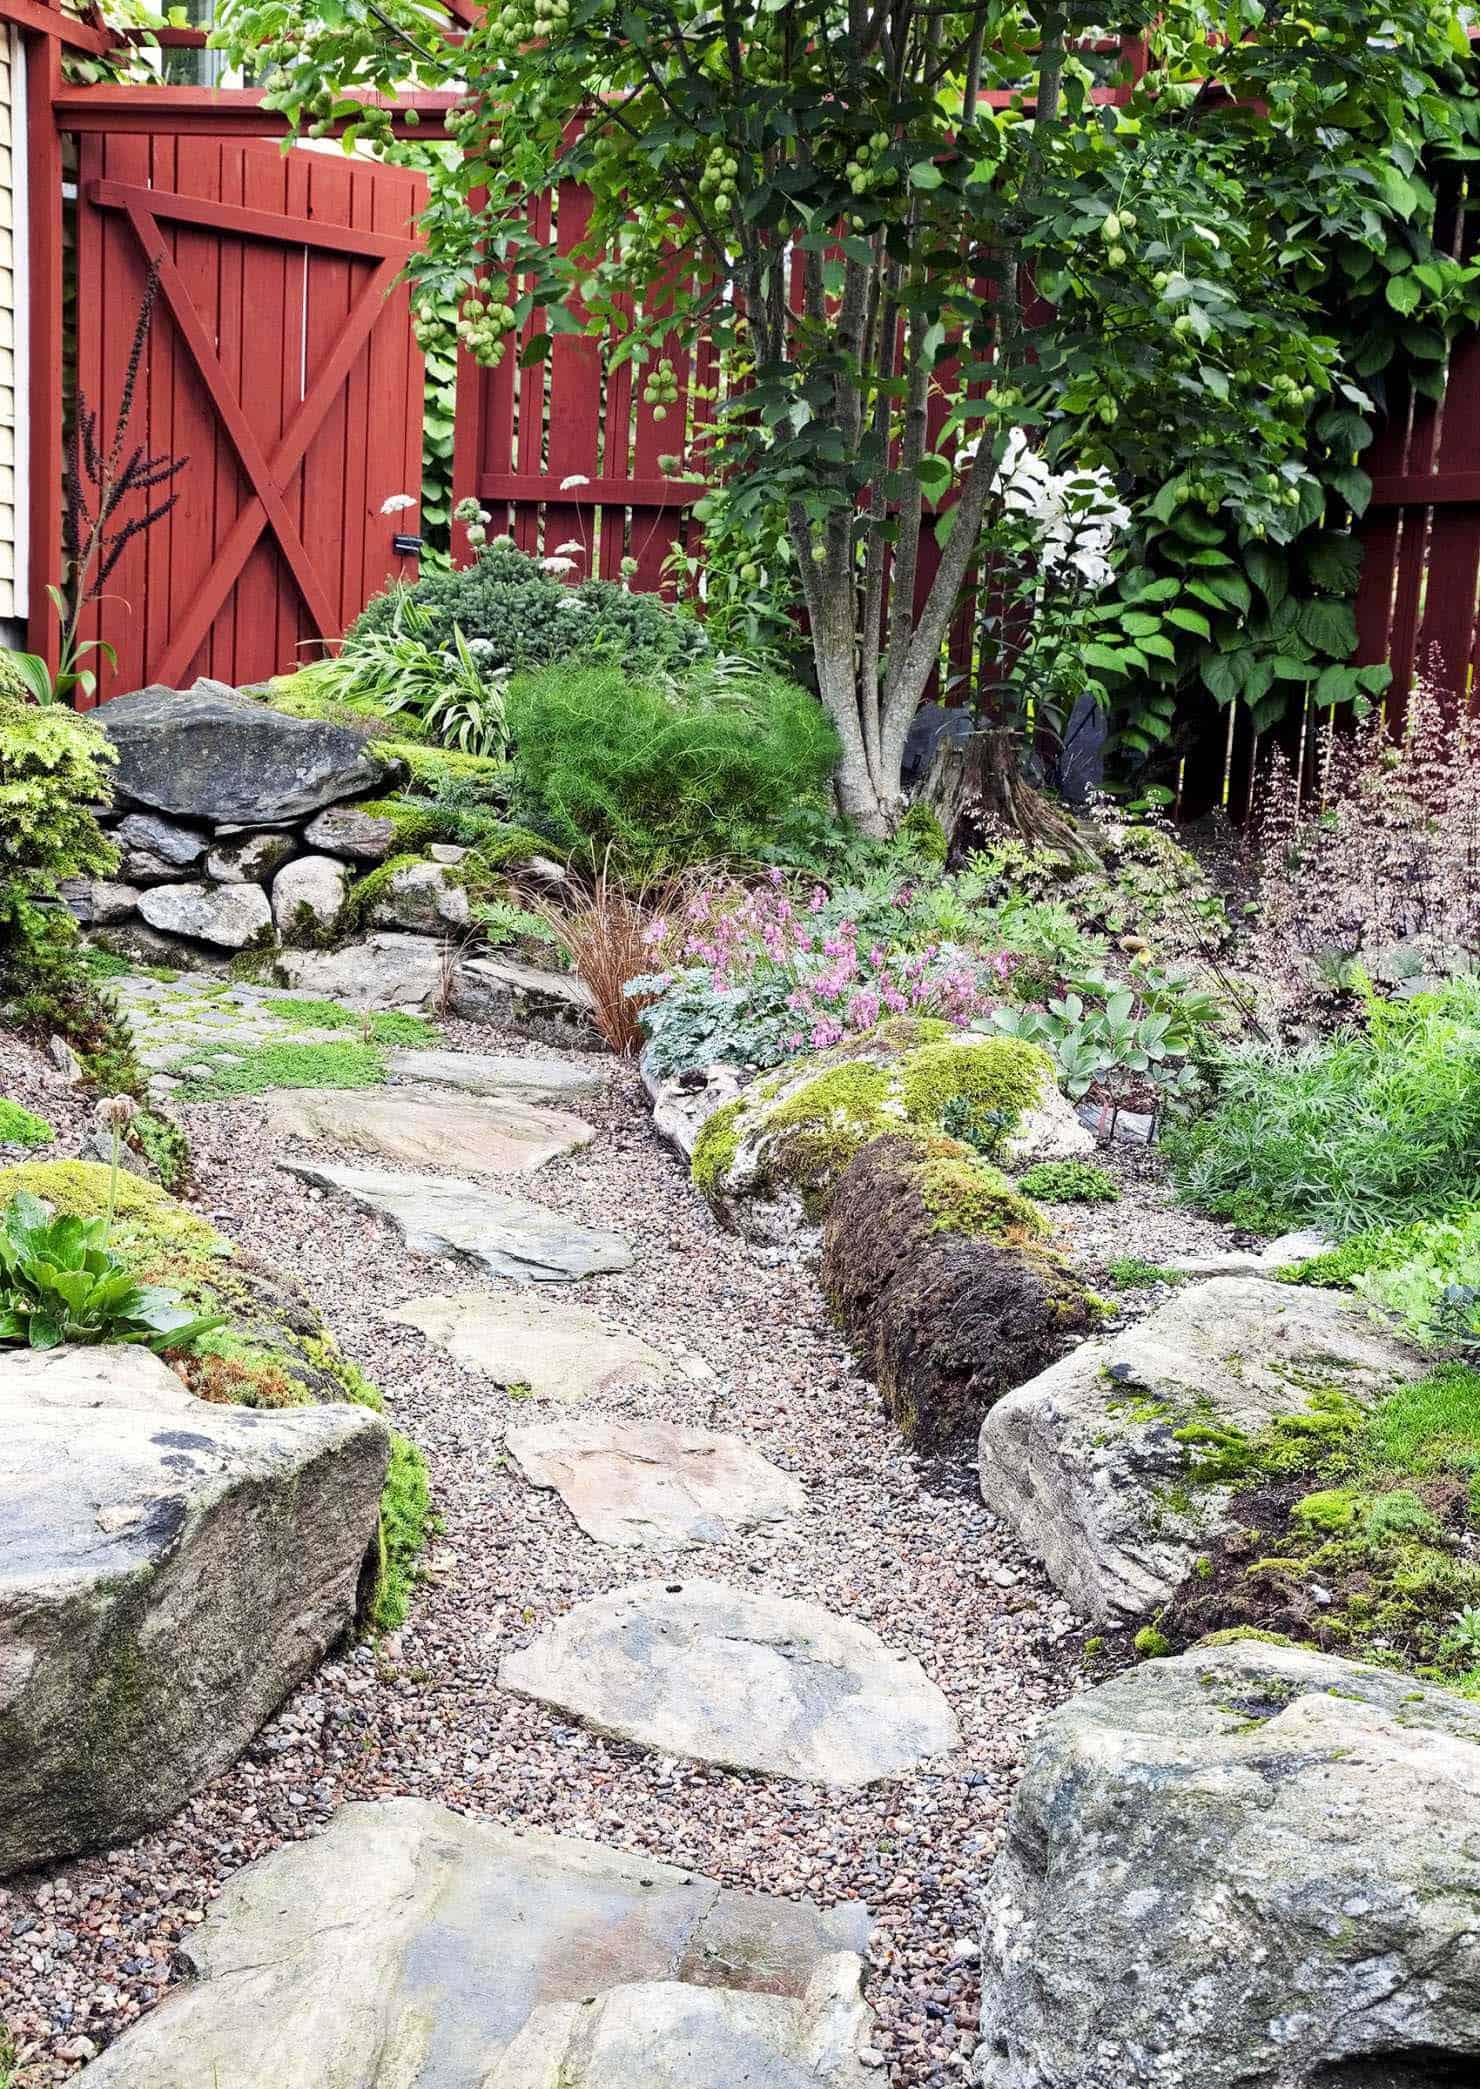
(663, 777)
(528, 618)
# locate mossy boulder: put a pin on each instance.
(1250, 1865)
(942, 1279)
(169, 1572)
(769, 1161)
(1117, 1466)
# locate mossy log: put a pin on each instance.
(944, 1320)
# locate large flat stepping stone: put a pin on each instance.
(750, 1681)
(495, 1073)
(169, 1570)
(419, 1128)
(446, 1215)
(407, 1947)
(654, 1485)
(555, 1350)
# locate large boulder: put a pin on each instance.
(938, 1275)
(1104, 1464)
(383, 971)
(230, 916)
(308, 898)
(770, 1160)
(408, 1947)
(208, 753)
(1250, 1866)
(169, 1570)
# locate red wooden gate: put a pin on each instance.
(280, 362)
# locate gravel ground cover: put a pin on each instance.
(901, 1544)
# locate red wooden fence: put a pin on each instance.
(564, 452)
(1418, 607)
(280, 363)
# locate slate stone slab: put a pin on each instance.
(652, 1484)
(410, 1948)
(169, 1570)
(418, 1128)
(445, 1215)
(558, 1350)
(1253, 1864)
(207, 753)
(727, 1676)
(496, 1073)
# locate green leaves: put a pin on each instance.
(61, 1282)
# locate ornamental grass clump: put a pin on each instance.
(760, 974)
(1378, 1127)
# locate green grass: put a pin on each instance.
(22, 1127)
(404, 1519)
(1431, 1427)
(1069, 1182)
(387, 1026)
(1380, 1127)
(284, 1065)
(1130, 1273)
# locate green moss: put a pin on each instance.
(242, 1363)
(974, 1091)
(163, 1144)
(1328, 1509)
(817, 1130)
(285, 1065)
(715, 1148)
(1152, 1645)
(966, 1196)
(404, 1510)
(304, 695)
(434, 769)
(1237, 1632)
(386, 1026)
(22, 1127)
(922, 833)
(142, 1211)
(1069, 1182)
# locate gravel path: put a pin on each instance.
(898, 1543)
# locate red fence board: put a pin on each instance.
(280, 362)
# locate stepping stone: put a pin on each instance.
(445, 1215)
(496, 1073)
(419, 1128)
(559, 1351)
(1267, 1261)
(751, 1681)
(412, 1946)
(651, 1484)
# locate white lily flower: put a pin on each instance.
(396, 502)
